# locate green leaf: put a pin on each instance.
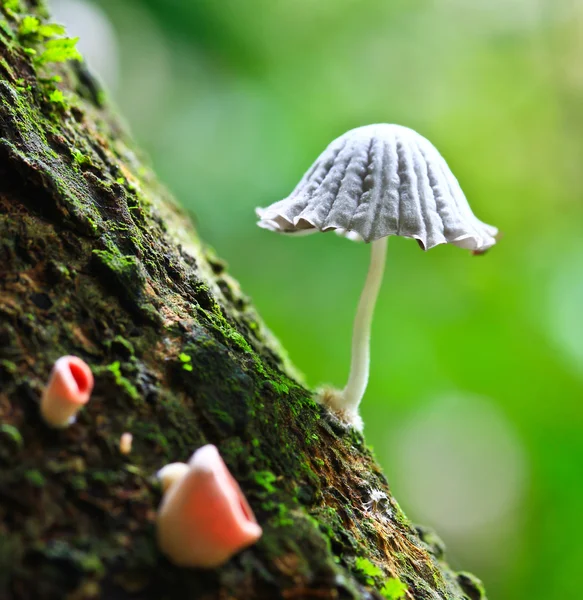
(57, 97)
(394, 589)
(6, 28)
(79, 157)
(51, 30)
(60, 50)
(11, 432)
(365, 566)
(265, 479)
(28, 26)
(12, 6)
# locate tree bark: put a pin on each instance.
(97, 260)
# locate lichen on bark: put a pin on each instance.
(97, 260)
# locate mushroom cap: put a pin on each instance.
(376, 181)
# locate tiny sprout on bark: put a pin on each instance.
(371, 183)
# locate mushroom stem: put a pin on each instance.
(359, 364)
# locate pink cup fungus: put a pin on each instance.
(68, 390)
(204, 518)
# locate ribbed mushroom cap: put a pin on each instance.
(376, 181)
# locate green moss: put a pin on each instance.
(223, 416)
(239, 340)
(265, 479)
(48, 30)
(400, 516)
(31, 27)
(281, 516)
(57, 97)
(78, 482)
(280, 388)
(394, 589)
(59, 50)
(28, 26)
(125, 384)
(115, 260)
(63, 552)
(90, 563)
(35, 478)
(129, 273)
(158, 438)
(185, 359)
(78, 156)
(6, 28)
(367, 568)
(103, 477)
(8, 366)
(120, 344)
(35, 150)
(235, 337)
(12, 6)
(134, 469)
(12, 433)
(6, 68)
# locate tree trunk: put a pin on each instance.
(98, 261)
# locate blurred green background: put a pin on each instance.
(474, 406)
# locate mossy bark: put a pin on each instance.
(98, 261)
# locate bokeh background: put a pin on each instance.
(475, 400)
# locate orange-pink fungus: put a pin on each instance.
(68, 390)
(204, 518)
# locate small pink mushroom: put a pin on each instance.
(204, 518)
(69, 388)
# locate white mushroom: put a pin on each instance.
(370, 183)
(125, 442)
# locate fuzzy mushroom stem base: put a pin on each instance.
(352, 394)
